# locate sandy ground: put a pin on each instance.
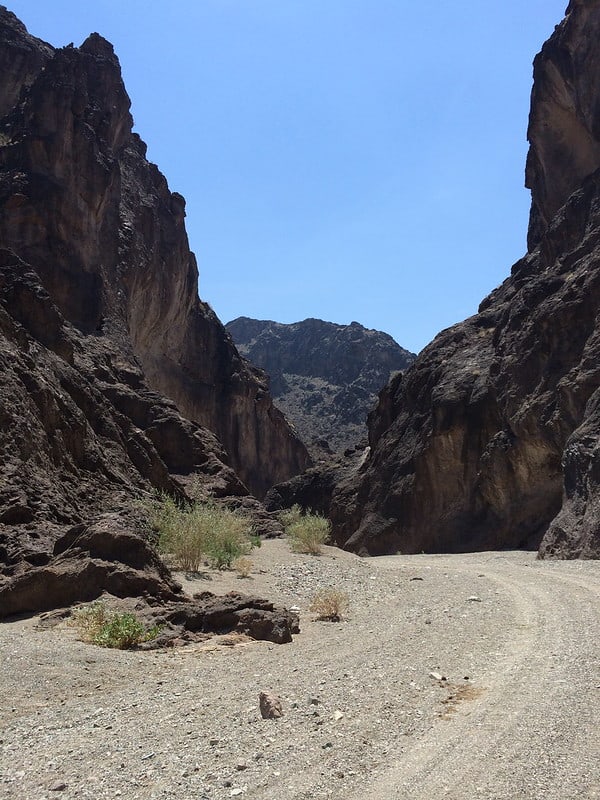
(366, 715)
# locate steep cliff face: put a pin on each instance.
(324, 377)
(115, 378)
(80, 430)
(564, 124)
(490, 439)
(97, 223)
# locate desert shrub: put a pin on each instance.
(122, 631)
(307, 532)
(227, 537)
(89, 620)
(181, 534)
(243, 566)
(192, 532)
(290, 516)
(330, 604)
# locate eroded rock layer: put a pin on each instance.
(490, 439)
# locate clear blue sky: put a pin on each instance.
(344, 159)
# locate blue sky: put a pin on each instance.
(344, 159)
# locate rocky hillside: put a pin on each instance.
(324, 377)
(114, 376)
(491, 439)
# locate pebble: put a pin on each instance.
(437, 676)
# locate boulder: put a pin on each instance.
(270, 705)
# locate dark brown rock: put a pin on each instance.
(212, 614)
(564, 126)
(575, 531)
(79, 427)
(21, 59)
(111, 556)
(115, 379)
(96, 222)
(324, 377)
(314, 488)
(494, 427)
(89, 560)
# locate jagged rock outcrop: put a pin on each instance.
(490, 439)
(82, 206)
(564, 124)
(114, 377)
(79, 427)
(324, 377)
(88, 560)
(108, 557)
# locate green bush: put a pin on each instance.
(122, 631)
(227, 537)
(190, 533)
(307, 532)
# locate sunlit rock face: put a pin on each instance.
(564, 124)
(97, 224)
(490, 438)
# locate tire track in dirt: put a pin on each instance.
(533, 731)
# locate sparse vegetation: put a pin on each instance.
(97, 625)
(194, 532)
(330, 604)
(243, 566)
(307, 532)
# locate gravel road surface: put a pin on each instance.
(463, 676)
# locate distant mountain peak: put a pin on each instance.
(325, 376)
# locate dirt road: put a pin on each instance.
(534, 732)
(459, 677)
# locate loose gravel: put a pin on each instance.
(452, 676)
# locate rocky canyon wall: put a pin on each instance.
(96, 222)
(490, 438)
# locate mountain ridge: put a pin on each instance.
(324, 376)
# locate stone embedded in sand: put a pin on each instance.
(270, 705)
